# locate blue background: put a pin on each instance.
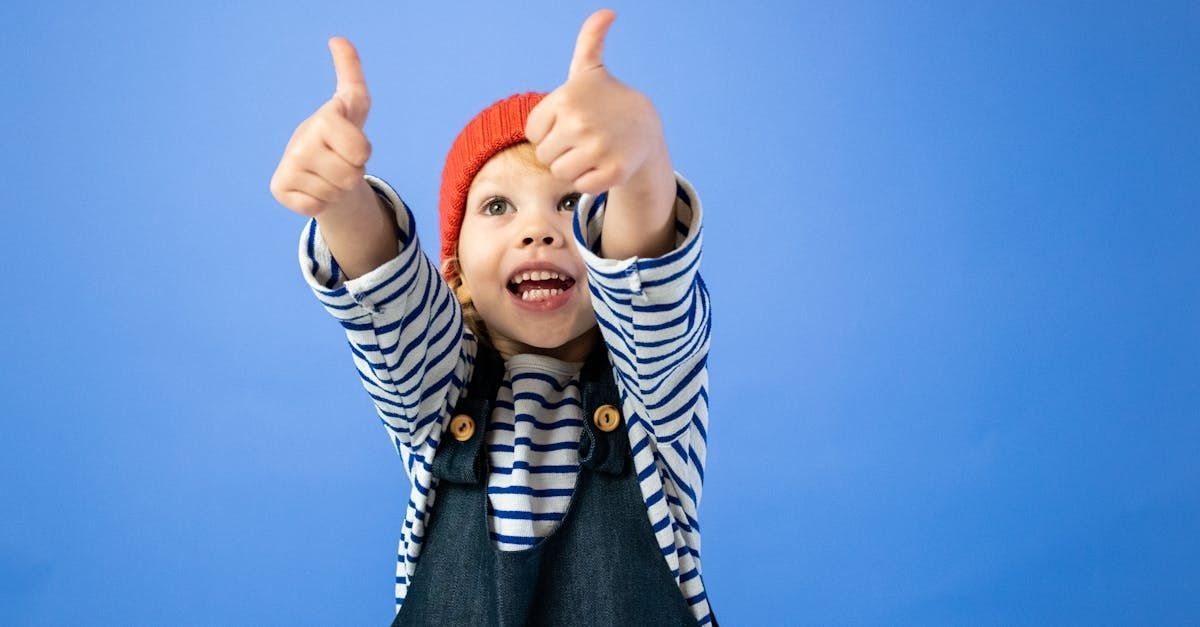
(952, 251)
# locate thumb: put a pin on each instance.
(590, 43)
(352, 96)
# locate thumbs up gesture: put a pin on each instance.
(593, 130)
(325, 160)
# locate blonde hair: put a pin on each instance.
(451, 270)
(471, 318)
(526, 153)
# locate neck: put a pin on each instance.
(575, 350)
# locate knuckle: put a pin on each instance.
(567, 99)
(360, 153)
(276, 188)
(599, 181)
(600, 145)
(619, 169)
(578, 125)
(587, 185)
(283, 182)
(295, 153)
(294, 201)
(309, 206)
(532, 126)
(349, 180)
(321, 123)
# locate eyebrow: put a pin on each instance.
(484, 178)
(488, 186)
(485, 194)
(492, 185)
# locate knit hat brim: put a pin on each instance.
(499, 126)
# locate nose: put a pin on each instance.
(539, 228)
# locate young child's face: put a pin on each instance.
(518, 220)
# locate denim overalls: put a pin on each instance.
(600, 566)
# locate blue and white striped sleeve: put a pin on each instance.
(654, 316)
(404, 327)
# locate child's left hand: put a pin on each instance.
(593, 130)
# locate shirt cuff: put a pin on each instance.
(646, 279)
(367, 294)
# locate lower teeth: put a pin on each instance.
(540, 294)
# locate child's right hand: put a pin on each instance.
(325, 160)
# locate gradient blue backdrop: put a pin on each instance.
(952, 251)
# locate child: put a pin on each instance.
(548, 392)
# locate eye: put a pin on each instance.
(496, 206)
(570, 203)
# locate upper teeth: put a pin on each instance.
(536, 275)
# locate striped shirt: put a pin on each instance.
(415, 356)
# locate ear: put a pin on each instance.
(451, 270)
(462, 291)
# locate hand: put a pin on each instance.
(326, 158)
(594, 130)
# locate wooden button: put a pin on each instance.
(463, 427)
(606, 417)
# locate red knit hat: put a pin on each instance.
(495, 128)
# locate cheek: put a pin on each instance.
(472, 261)
(584, 300)
(479, 242)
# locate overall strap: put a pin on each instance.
(599, 450)
(463, 462)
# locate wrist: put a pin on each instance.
(654, 180)
(639, 214)
(360, 231)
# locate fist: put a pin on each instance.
(593, 130)
(326, 158)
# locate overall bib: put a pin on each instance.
(600, 566)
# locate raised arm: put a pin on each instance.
(360, 256)
(602, 135)
(638, 228)
(321, 172)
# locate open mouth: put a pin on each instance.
(539, 285)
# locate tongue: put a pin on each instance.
(548, 284)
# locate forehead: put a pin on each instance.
(504, 167)
(510, 172)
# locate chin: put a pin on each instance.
(545, 341)
(557, 338)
